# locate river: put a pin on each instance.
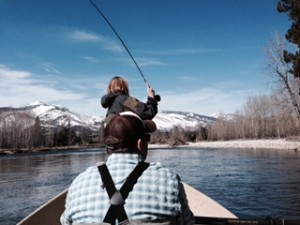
(250, 183)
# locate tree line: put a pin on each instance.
(23, 131)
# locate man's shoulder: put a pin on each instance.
(162, 170)
(87, 175)
(159, 165)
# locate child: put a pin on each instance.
(118, 100)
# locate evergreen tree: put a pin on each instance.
(292, 9)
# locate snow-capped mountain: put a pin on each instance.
(168, 119)
(60, 115)
(54, 115)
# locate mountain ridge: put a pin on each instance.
(55, 115)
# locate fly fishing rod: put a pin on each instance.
(157, 97)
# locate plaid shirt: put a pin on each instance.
(157, 193)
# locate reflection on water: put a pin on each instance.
(250, 183)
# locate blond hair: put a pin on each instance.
(118, 84)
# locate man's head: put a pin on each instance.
(127, 132)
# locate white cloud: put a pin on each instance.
(150, 62)
(87, 106)
(83, 36)
(189, 78)
(183, 51)
(91, 59)
(18, 88)
(79, 94)
(113, 47)
(12, 74)
(206, 101)
(49, 67)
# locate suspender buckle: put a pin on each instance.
(117, 199)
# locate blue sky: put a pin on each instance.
(201, 56)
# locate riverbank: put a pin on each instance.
(281, 144)
(47, 149)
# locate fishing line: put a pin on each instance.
(157, 97)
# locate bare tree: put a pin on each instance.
(280, 72)
(177, 136)
(262, 116)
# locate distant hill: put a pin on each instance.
(54, 115)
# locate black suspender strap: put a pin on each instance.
(115, 210)
(117, 197)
